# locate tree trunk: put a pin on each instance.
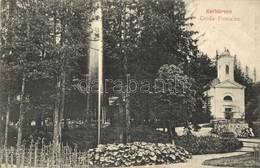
(64, 61)
(43, 119)
(66, 127)
(121, 119)
(7, 121)
(60, 89)
(63, 94)
(21, 114)
(38, 125)
(22, 101)
(2, 6)
(127, 136)
(127, 119)
(56, 117)
(20, 121)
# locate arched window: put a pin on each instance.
(227, 69)
(228, 98)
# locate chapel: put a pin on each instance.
(226, 96)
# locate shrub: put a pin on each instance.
(208, 144)
(228, 134)
(85, 138)
(137, 153)
(246, 133)
(256, 128)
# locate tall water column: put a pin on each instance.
(95, 70)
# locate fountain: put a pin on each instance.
(95, 70)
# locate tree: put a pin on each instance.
(156, 33)
(70, 22)
(255, 75)
(203, 70)
(120, 36)
(42, 44)
(250, 91)
(176, 89)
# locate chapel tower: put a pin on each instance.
(225, 68)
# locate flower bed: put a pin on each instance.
(208, 144)
(239, 129)
(136, 153)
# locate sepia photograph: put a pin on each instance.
(129, 83)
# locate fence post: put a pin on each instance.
(6, 157)
(1, 157)
(88, 158)
(41, 164)
(52, 159)
(48, 154)
(70, 157)
(23, 154)
(12, 156)
(35, 154)
(258, 153)
(30, 154)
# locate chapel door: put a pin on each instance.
(228, 114)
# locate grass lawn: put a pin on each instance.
(244, 160)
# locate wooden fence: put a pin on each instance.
(44, 157)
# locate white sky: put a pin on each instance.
(242, 38)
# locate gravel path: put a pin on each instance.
(197, 160)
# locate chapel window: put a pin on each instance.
(227, 69)
(228, 98)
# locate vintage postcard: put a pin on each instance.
(129, 83)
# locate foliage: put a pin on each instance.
(176, 89)
(202, 69)
(208, 144)
(253, 106)
(42, 42)
(156, 33)
(137, 153)
(252, 91)
(246, 133)
(85, 138)
(256, 128)
(228, 134)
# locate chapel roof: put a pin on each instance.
(216, 83)
(225, 53)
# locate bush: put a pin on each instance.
(208, 144)
(228, 134)
(256, 128)
(137, 153)
(246, 133)
(86, 138)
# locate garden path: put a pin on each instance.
(197, 160)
